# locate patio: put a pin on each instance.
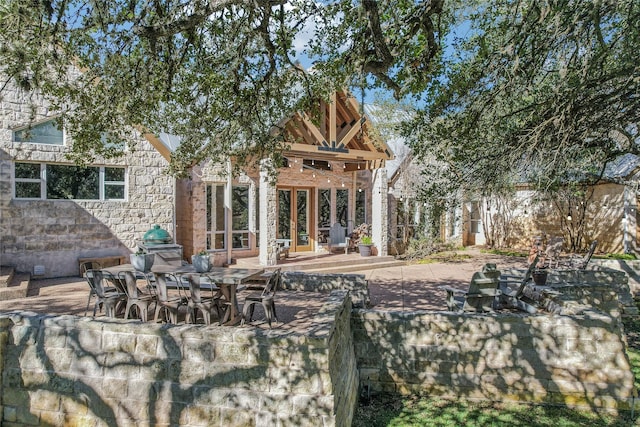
(396, 286)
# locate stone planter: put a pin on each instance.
(365, 250)
(142, 262)
(202, 263)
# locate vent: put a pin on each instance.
(38, 270)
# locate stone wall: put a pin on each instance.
(604, 288)
(571, 360)
(81, 371)
(55, 233)
(356, 284)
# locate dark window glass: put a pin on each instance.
(28, 170)
(342, 206)
(27, 190)
(361, 206)
(72, 182)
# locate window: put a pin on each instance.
(342, 206)
(215, 217)
(324, 214)
(240, 220)
(53, 181)
(474, 218)
(361, 207)
(43, 133)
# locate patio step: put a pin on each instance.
(350, 268)
(13, 285)
(354, 263)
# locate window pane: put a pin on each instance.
(219, 241)
(72, 182)
(284, 214)
(28, 170)
(43, 133)
(360, 207)
(240, 240)
(219, 209)
(28, 190)
(114, 192)
(342, 206)
(324, 216)
(114, 174)
(210, 209)
(240, 207)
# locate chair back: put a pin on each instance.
(273, 283)
(127, 280)
(337, 234)
(587, 257)
(89, 265)
(95, 278)
(554, 247)
(194, 288)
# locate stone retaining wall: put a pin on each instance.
(356, 284)
(555, 359)
(79, 371)
(604, 288)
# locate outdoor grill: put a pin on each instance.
(160, 242)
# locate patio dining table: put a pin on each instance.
(226, 278)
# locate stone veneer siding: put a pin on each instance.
(555, 359)
(55, 233)
(80, 371)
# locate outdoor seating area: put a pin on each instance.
(177, 293)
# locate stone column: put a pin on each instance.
(268, 216)
(379, 213)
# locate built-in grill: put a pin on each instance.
(160, 242)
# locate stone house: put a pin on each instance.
(53, 213)
(609, 214)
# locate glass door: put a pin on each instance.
(294, 217)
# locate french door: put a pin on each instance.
(294, 217)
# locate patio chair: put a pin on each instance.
(108, 298)
(516, 298)
(482, 292)
(205, 305)
(84, 267)
(553, 250)
(579, 262)
(338, 238)
(266, 298)
(138, 303)
(169, 307)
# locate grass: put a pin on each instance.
(397, 411)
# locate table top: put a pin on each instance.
(226, 275)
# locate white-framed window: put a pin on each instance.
(68, 182)
(48, 132)
(240, 218)
(217, 220)
(474, 218)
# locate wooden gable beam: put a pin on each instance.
(345, 139)
(313, 129)
(332, 118)
(338, 154)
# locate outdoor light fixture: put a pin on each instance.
(569, 217)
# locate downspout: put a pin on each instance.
(228, 213)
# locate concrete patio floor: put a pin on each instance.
(408, 287)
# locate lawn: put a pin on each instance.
(387, 410)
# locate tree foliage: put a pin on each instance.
(222, 74)
(536, 91)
